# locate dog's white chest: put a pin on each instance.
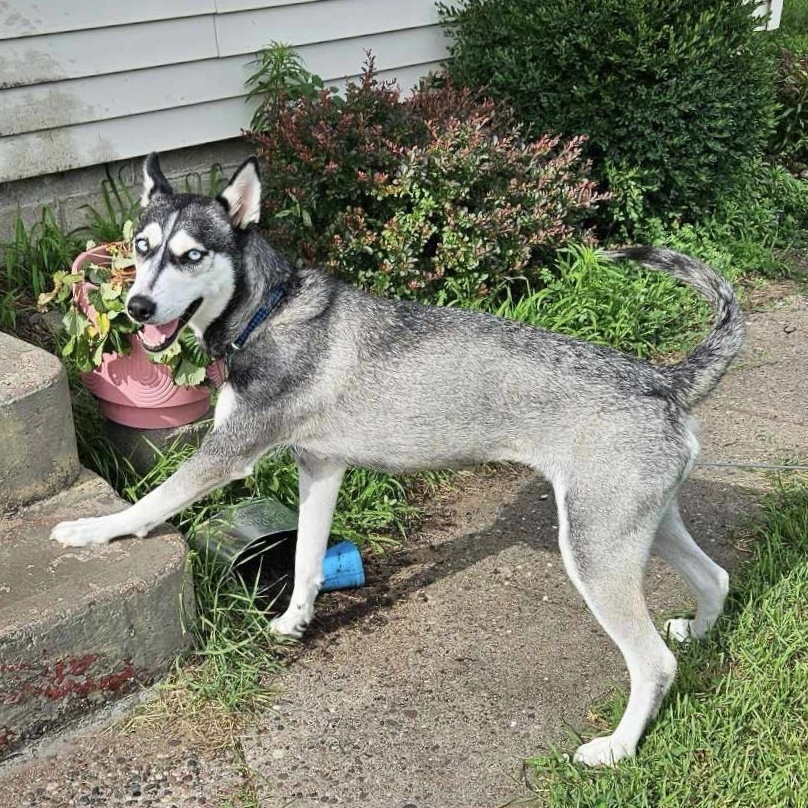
(225, 405)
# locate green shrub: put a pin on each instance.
(675, 94)
(322, 154)
(754, 230)
(435, 196)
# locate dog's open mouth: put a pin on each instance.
(170, 331)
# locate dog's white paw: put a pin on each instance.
(679, 629)
(82, 532)
(292, 623)
(602, 752)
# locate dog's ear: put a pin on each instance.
(242, 196)
(154, 181)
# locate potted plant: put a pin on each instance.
(133, 386)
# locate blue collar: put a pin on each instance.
(275, 296)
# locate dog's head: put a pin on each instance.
(187, 248)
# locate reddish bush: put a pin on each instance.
(434, 196)
(790, 138)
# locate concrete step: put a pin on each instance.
(80, 626)
(37, 442)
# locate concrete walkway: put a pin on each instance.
(468, 652)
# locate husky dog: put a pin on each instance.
(349, 379)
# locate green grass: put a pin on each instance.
(733, 732)
(614, 304)
(29, 259)
(620, 305)
(794, 25)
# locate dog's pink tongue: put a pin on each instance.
(155, 334)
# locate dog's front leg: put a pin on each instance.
(319, 482)
(217, 462)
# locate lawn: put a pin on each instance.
(794, 24)
(733, 732)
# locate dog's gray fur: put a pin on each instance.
(346, 378)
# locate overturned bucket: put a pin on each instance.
(256, 540)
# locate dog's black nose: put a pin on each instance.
(140, 308)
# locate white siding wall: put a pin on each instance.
(773, 9)
(84, 82)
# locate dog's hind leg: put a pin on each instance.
(605, 544)
(709, 582)
(319, 483)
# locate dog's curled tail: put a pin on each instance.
(697, 374)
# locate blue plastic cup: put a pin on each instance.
(342, 567)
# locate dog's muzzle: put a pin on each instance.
(172, 335)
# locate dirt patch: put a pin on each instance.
(778, 292)
(470, 499)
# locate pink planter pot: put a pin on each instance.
(131, 390)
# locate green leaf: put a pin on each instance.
(191, 349)
(98, 354)
(103, 324)
(97, 275)
(75, 323)
(110, 291)
(165, 357)
(122, 261)
(189, 374)
(94, 296)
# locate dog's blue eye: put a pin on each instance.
(193, 255)
(142, 245)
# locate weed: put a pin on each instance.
(29, 260)
(620, 305)
(118, 206)
(235, 649)
(208, 184)
(10, 300)
(280, 78)
(34, 254)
